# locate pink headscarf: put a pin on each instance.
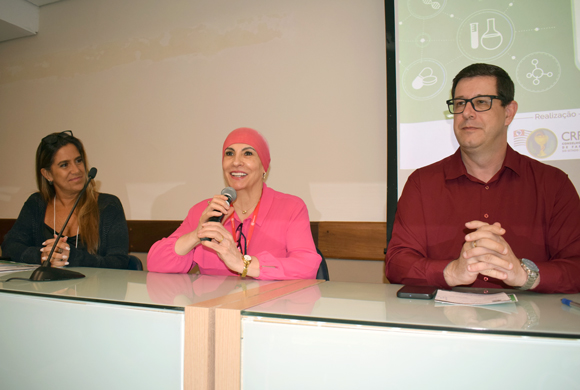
(245, 135)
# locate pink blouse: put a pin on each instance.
(282, 241)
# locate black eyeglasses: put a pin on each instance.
(242, 248)
(479, 103)
(53, 138)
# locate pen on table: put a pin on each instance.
(570, 303)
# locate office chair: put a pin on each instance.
(323, 268)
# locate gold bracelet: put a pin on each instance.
(247, 260)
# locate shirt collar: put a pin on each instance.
(453, 165)
(265, 204)
(513, 161)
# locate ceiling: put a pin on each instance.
(19, 18)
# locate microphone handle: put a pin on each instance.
(47, 261)
(212, 219)
(217, 218)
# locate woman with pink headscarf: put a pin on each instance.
(263, 234)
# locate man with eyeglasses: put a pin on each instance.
(486, 216)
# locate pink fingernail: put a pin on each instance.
(66, 263)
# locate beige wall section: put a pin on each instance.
(357, 271)
(153, 87)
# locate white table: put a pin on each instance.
(113, 329)
(361, 336)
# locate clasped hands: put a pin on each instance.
(60, 255)
(485, 252)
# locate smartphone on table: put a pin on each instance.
(417, 292)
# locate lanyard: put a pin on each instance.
(252, 224)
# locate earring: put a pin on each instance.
(50, 182)
(264, 176)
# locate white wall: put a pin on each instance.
(153, 87)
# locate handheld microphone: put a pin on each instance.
(230, 193)
(46, 272)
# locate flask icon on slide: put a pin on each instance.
(492, 39)
(485, 35)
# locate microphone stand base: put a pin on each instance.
(42, 274)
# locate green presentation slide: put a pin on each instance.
(535, 41)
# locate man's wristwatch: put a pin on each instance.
(247, 260)
(533, 272)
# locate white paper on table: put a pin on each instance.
(462, 298)
(10, 266)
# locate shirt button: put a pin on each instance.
(486, 278)
(486, 215)
(487, 187)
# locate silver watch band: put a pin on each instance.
(532, 271)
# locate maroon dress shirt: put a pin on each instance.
(535, 203)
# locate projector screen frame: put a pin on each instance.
(392, 123)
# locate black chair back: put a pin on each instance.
(135, 263)
(323, 268)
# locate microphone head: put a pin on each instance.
(92, 173)
(230, 193)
